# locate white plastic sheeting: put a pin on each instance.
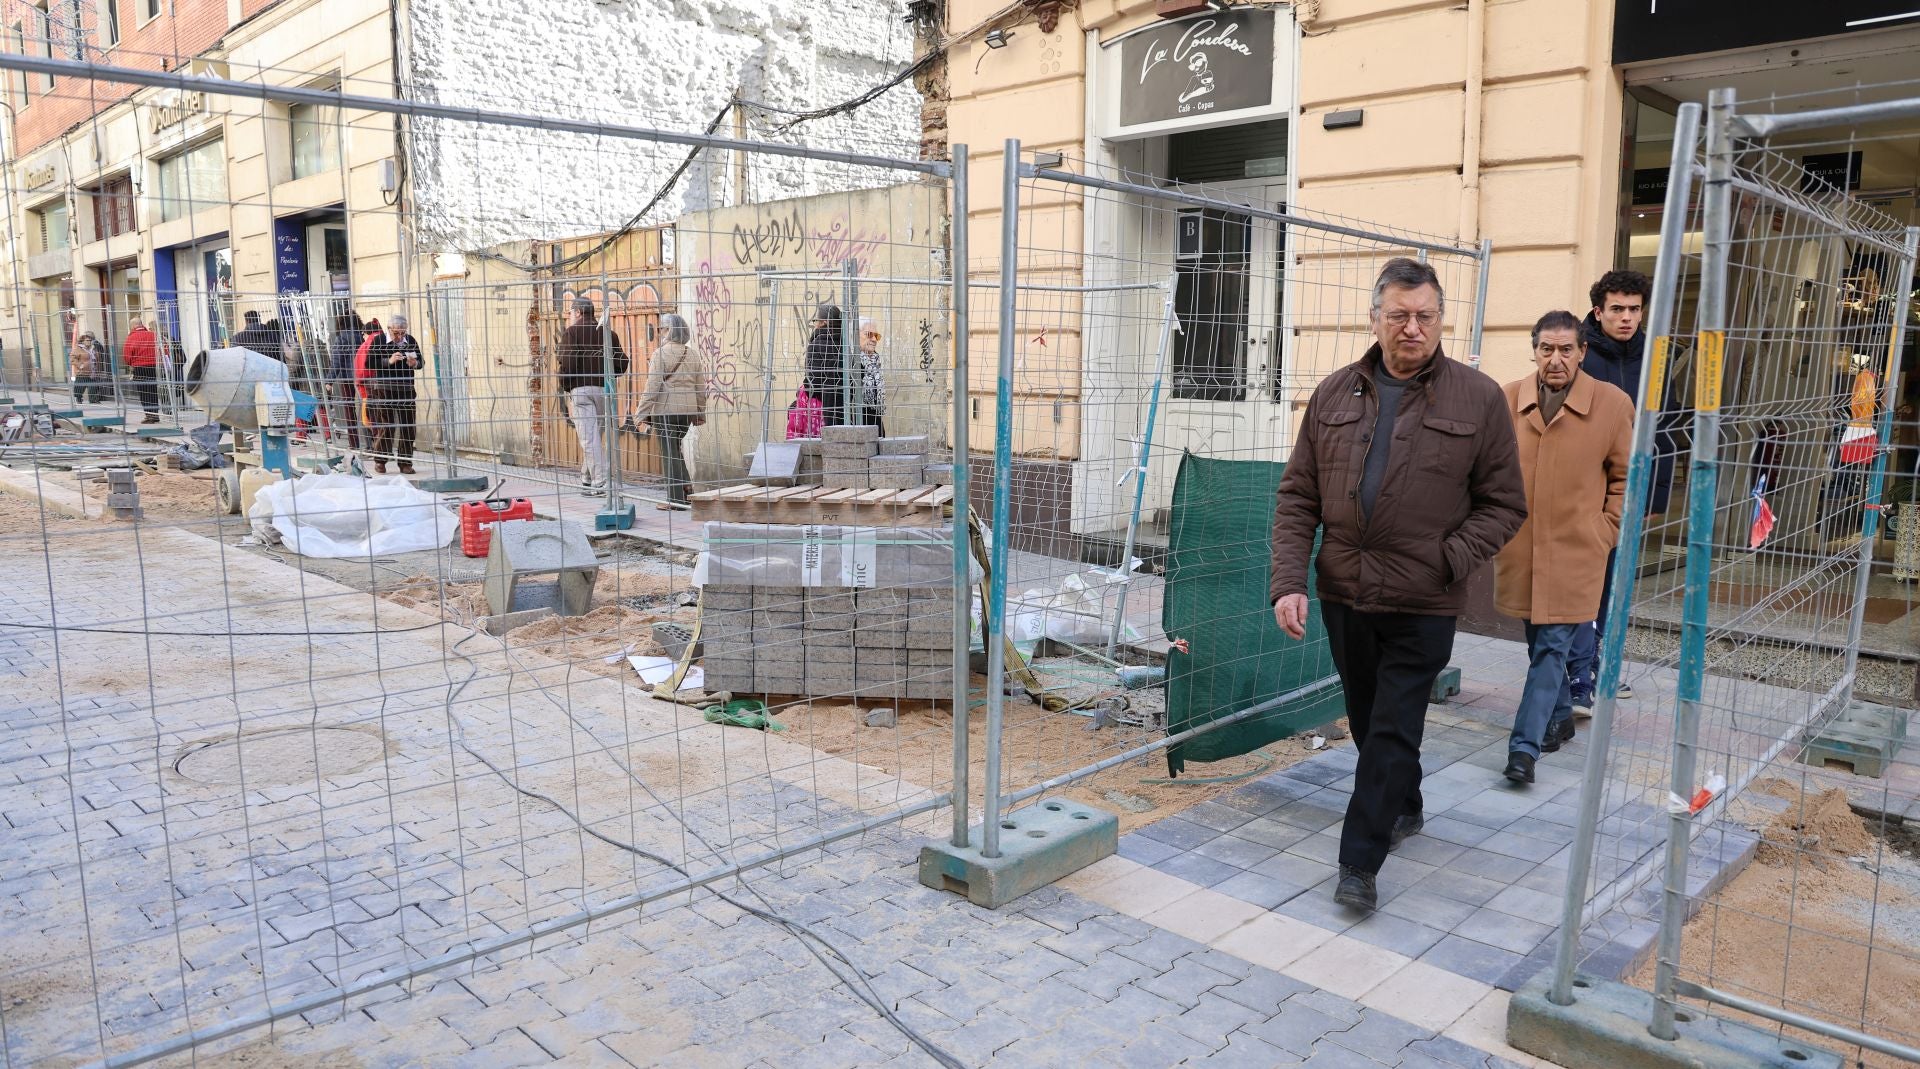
(348, 516)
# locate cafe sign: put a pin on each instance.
(172, 113)
(1212, 69)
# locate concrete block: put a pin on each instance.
(1445, 685)
(524, 549)
(837, 603)
(879, 481)
(777, 620)
(846, 482)
(1864, 739)
(505, 622)
(881, 597)
(903, 443)
(913, 464)
(712, 597)
(775, 464)
(930, 619)
(927, 639)
(836, 654)
(1038, 845)
(930, 658)
(937, 474)
(854, 435)
(809, 447)
(129, 500)
(881, 718)
(1606, 1028)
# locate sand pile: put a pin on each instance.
(1819, 826)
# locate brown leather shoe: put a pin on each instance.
(406, 469)
(380, 467)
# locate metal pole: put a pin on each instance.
(1626, 563)
(443, 384)
(1799, 1020)
(996, 607)
(1870, 521)
(1702, 482)
(609, 425)
(1479, 334)
(772, 325)
(1139, 473)
(849, 344)
(962, 553)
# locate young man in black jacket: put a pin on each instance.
(584, 370)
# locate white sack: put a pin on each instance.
(347, 516)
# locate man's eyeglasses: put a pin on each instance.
(1556, 350)
(1399, 319)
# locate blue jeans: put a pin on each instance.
(1583, 660)
(1547, 699)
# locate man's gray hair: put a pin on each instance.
(1405, 273)
(584, 306)
(398, 322)
(676, 328)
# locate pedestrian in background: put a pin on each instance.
(348, 332)
(87, 364)
(256, 337)
(673, 401)
(1616, 349)
(392, 358)
(1575, 434)
(825, 378)
(873, 382)
(1405, 465)
(143, 358)
(584, 371)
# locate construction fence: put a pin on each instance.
(1745, 586)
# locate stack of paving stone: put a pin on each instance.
(857, 458)
(852, 612)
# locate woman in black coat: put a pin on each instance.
(826, 368)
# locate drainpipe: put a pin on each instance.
(1470, 136)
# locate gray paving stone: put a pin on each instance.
(1523, 846)
(1471, 958)
(1240, 853)
(1425, 848)
(1432, 910)
(1212, 1019)
(1263, 990)
(1243, 1051)
(1296, 1028)
(1160, 949)
(1495, 928)
(1380, 1036)
(1344, 1010)
(1316, 906)
(1308, 814)
(1490, 865)
(1398, 934)
(1196, 869)
(1273, 833)
(1138, 848)
(1217, 817)
(1175, 832)
(1258, 889)
(1297, 871)
(1453, 830)
(1108, 976)
(1321, 846)
(1449, 1051)
(1183, 984)
(985, 1031)
(1461, 886)
(1089, 941)
(1158, 1049)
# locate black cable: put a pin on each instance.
(811, 939)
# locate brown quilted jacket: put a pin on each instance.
(1451, 497)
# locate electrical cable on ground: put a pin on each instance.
(861, 984)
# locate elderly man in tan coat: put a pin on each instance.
(1575, 433)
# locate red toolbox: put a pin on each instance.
(478, 517)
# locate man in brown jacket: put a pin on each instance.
(1405, 463)
(1575, 434)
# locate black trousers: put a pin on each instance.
(391, 414)
(1387, 663)
(146, 387)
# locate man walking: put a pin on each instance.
(583, 379)
(1575, 433)
(1405, 463)
(1616, 348)
(392, 358)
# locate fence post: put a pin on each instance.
(1480, 302)
(995, 631)
(1870, 516)
(1702, 483)
(771, 323)
(1626, 562)
(609, 418)
(1167, 318)
(851, 392)
(962, 509)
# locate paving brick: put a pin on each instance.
(1295, 1029)
(1380, 1036)
(1183, 984)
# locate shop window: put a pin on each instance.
(53, 229)
(150, 8)
(316, 139)
(42, 43)
(1209, 355)
(192, 180)
(112, 207)
(109, 22)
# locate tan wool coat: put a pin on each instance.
(1575, 471)
(676, 384)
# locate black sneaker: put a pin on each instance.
(1582, 698)
(1405, 826)
(1519, 767)
(1355, 889)
(1557, 734)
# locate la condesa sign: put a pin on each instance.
(1207, 70)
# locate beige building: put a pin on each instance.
(192, 209)
(1541, 126)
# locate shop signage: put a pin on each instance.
(1662, 29)
(289, 257)
(1830, 170)
(1650, 185)
(40, 175)
(1187, 239)
(1198, 67)
(181, 108)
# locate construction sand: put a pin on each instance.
(170, 497)
(1825, 921)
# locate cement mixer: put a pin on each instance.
(247, 392)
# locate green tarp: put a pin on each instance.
(1216, 599)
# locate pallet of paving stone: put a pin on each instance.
(916, 506)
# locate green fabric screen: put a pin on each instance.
(1216, 599)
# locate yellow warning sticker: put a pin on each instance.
(1657, 374)
(1712, 368)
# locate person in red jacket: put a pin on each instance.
(142, 355)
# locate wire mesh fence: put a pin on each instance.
(1149, 391)
(1756, 729)
(287, 725)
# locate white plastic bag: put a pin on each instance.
(347, 516)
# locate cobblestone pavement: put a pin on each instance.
(146, 891)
